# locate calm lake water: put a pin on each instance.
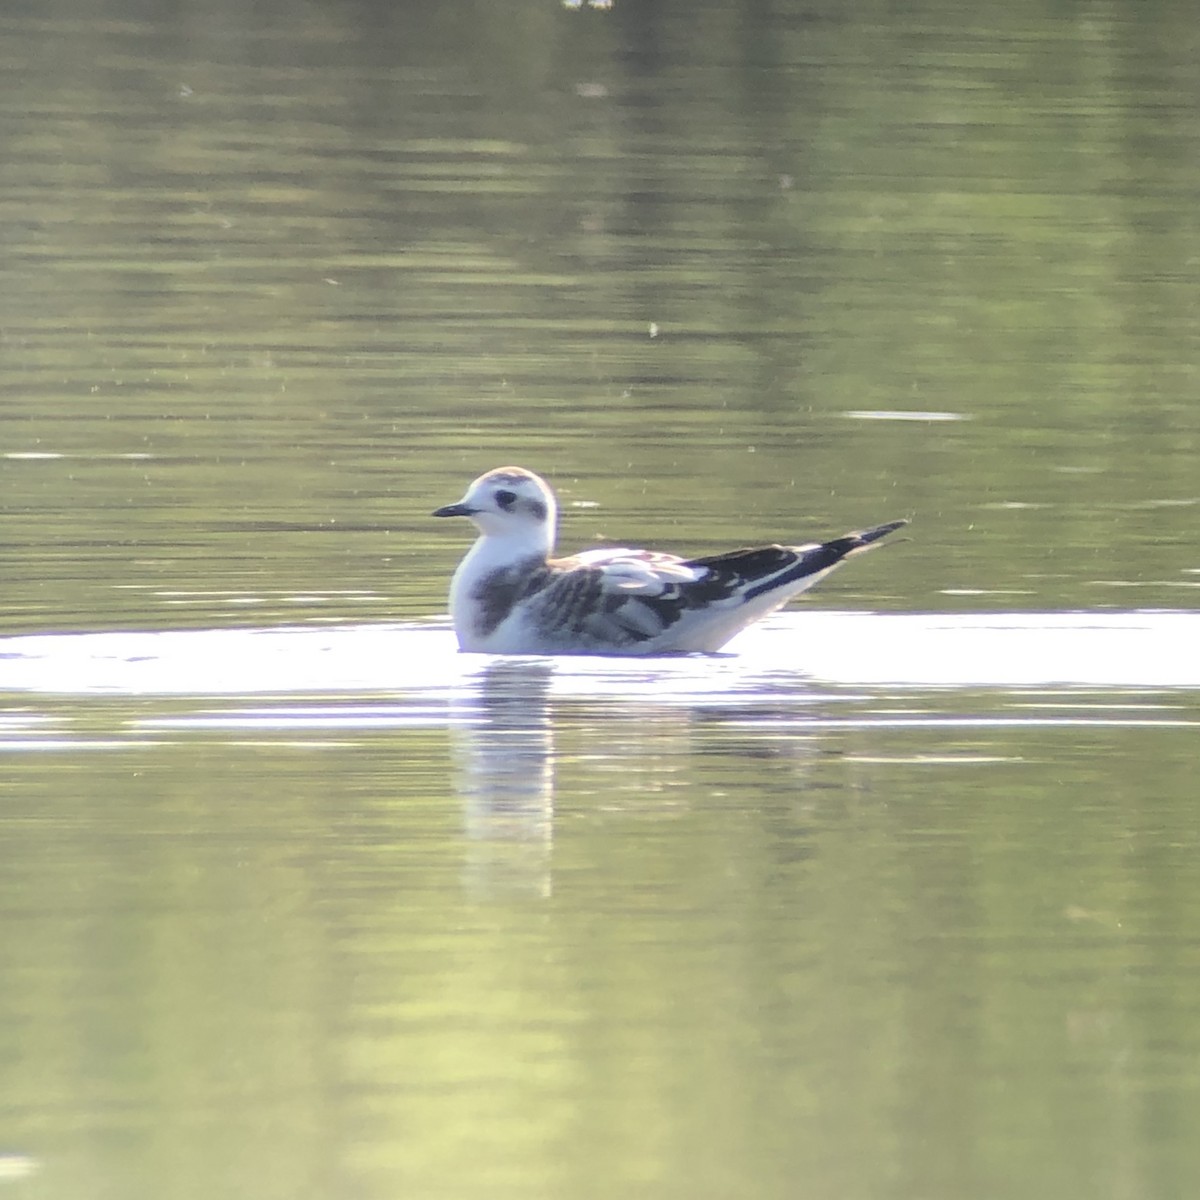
(896, 899)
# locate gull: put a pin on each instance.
(508, 596)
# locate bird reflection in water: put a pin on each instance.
(505, 774)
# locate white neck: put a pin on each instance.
(492, 552)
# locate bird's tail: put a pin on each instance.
(860, 541)
(827, 554)
(810, 563)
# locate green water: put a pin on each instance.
(275, 281)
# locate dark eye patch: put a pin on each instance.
(506, 499)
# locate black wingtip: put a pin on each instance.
(855, 543)
(867, 536)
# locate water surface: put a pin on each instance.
(897, 898)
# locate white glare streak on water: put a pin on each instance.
(1137, 650)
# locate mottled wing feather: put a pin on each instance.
(610, 601)
(620, 597)
(636, 568)
(750, 572)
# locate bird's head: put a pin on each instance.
(509, 502)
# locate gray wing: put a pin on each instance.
(623, 598)
(611, 598)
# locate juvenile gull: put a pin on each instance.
(509, 596)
